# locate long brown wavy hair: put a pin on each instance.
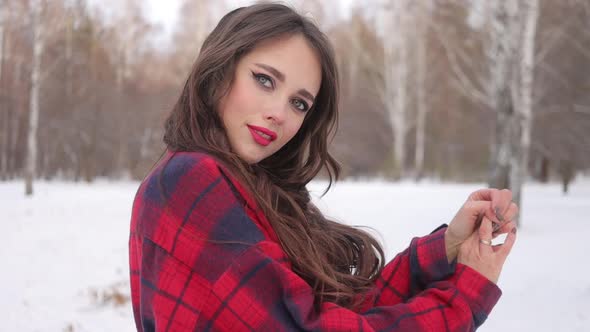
(339, 262)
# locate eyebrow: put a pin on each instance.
(281, 78)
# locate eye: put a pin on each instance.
(264, 80)
(300, 105)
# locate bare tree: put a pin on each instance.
(500, 54)
(510, 56)
(3, 13)
(390, 73)
(422, 14)
(69, 49)
(45, 21)
(526, 63)
(32, 144)
(192, 29)
(395, 18)
(512, 24)
(129, 43)
(3, 110)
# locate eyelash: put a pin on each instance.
(258, 76)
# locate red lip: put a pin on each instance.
(258, 138)
(270, 133)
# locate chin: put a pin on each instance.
(250, 158)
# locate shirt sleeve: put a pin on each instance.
(423, 262)
(260, 292)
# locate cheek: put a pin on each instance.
(244, 94)
(293, 128)
(234, 105)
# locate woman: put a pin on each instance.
(223, 233)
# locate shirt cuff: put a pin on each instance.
(481, 294)
(428, 258)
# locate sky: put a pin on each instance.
(164, 13)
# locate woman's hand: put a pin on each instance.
(494, 204)
(478, 253)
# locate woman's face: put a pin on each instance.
(274, 86)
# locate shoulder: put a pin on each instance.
(188, 194)
(192, 166)
(182, 174)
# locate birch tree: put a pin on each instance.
(395, 45)
(3, 13)
(422, 12)
(34, 97)
(129, 43)
(69, 46)
(519, 161)
(510, 56)
(513, 29)
(193, 26)
(500, 55)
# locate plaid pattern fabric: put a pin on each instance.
(203, 258)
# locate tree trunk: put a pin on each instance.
(420, 96)
(499, 56)
(34, 100)
(2, 24)
(566, 170)
(530, 13)
(20, 108)
(5, 120)
(544, 171)
(4, 113)
(513, 30)
(69, 88)
(396, 66)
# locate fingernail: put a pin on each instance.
(499, 215)
(514, 230)
(495, 226)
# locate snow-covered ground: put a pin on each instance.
(64, 255)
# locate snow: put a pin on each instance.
(64, 256)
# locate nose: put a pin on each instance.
(276, 113)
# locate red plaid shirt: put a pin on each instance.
(203, 258)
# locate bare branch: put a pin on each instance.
(549, 43)
(550, 70)
(466, 85)
(583, 49)
(51, 67)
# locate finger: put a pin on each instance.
(512, 212)
(505, 249)
(485, 235)
(500, 202)
(477, 207)
(504, 228)
(473, 240)
(509, 216)
(476, 210)
(482, 194)
(491, 195)
(495, 197)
